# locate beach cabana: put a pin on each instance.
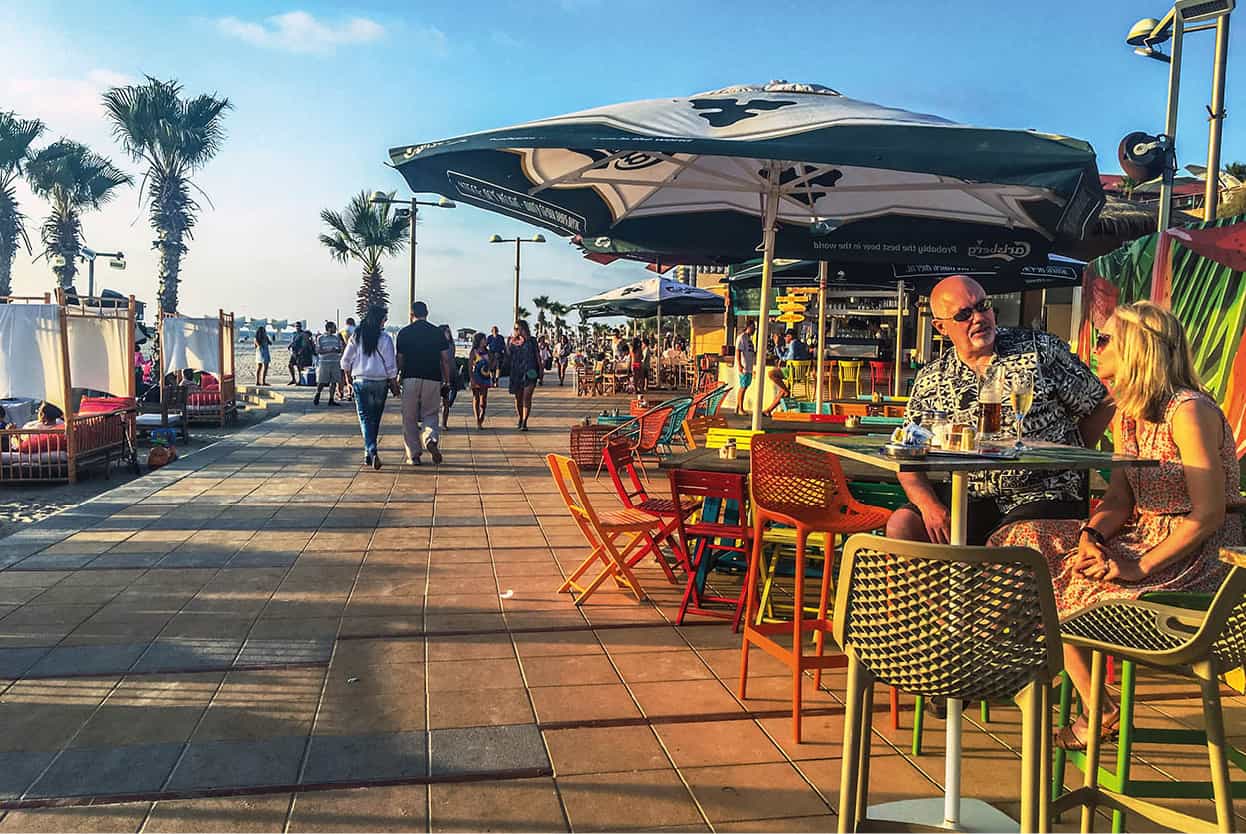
(79, 356)
(203, 344)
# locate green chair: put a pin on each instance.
(1178, 638)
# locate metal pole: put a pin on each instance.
(516, 279)
(819, 360)
(1170, 121)
(769, 213)
(898, 364)
(411, 285)
(1211, 196)
(90, 277)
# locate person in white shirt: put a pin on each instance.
(371, 370)
(745, 359)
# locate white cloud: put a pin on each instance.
(60, 99)
(301, 32)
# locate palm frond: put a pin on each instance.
(16, 136)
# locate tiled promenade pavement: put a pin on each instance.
(266, 636)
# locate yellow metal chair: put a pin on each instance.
(850, 374)
(799, 372)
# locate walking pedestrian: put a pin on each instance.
(481, 376)
(372, 372)
(296, 353)
(424, 360)
(263, 356)
(497, 349)
(449, 393)
(329, 347)
(562, 354)
(525, 371)
(348, 333)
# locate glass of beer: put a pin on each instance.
(1021, 390)
(990, 403)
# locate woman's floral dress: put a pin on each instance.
(1161, 499)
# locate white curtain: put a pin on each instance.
(31, 364)
(191, 343)
(101, 354)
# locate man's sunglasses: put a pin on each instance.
(1103, 340)
(964, 314)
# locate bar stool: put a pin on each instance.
(850, 374)
(803, 488)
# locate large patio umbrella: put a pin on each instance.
(809, 172)
(651, 297)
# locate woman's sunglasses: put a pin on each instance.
(1103, 340)
(964, 314)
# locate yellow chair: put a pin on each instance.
(799, 372)
(850, 374)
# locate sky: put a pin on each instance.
(321, 91)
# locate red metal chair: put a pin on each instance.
(881, 373)
(722, 529)
(804, 488)
(622, 468)
(643, 433)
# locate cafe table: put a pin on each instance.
(955, 814)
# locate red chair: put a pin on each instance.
(881, 373)
(622, 468)
(643, 434)
(804, 488)
(721, 529)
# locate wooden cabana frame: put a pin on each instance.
(225, 408)
(32, 455)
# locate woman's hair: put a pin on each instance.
(49, 413)
(260, 331)
(478, 341)
(522, 327)
(1154, 360)
(369, 331)
(330, 327)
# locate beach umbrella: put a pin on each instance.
(807, 171)
(651, 297)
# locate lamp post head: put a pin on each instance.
(496, 239)
(444, 203)
(538, 239)
(379, 197)
(1140, 33)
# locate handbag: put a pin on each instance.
(531, 375)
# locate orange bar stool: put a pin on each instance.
(802, 488)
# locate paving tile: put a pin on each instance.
(87, 660)
(511, 805)
(124, 817)
(646, 667)
(824, 822)
(684, 698)
(18, 770)
(220, 814)
(260, 704)
(569, 670)
(499, 673)
(479, 708)
(738, 792)
(709, 743)
(401, 755)
(229, 764)
(150, 709)
(627, 801)
(389, 808)
(14, 661)
(604, 750)
(188, 653)
(484, 749)
(258, 652)
(583, 703)
(88, 771)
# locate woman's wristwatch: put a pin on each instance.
(1095, 535)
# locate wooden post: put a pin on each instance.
(67, 382)
(160, 359)
(132, 424)
(220, 346)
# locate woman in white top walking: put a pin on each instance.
(371, 370)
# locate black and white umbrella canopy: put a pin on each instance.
(844, 179)
(652, 297)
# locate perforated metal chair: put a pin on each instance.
(1188, 642)
(803, 488)
(973, 623)
(632, 493)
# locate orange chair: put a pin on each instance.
(602, 530)
(696, 428)
(852, 409)
(622, 468)
(643, 433)
(803, 488)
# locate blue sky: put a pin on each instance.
(321, 91)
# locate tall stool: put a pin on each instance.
(803, 488)
(961, 622)
(1194, 644)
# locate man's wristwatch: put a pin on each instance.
(1095, 535)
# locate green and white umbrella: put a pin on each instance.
(652, 297)
(803, 170)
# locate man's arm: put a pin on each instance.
(447, 365)
(920, 492)
(1094, 424)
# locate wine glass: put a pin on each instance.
(1021, 388)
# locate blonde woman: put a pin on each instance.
(1156, 529)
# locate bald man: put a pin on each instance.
(1070, 406)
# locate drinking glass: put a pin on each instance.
(990, 403)
(1021, 388)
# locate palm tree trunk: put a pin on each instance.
(9, 233)
(371, 291)
(8, 249)
(171, 249)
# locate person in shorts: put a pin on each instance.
(481, 376)
(745, 360)
(328, 348)
(496, 343)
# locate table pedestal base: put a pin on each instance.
(975, 815)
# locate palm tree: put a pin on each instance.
(522, 313)
(1237, 169)
(366, 232)
(541, 302)
(73, 179)
(15, 138)
(175, 137)
(1127, 186)
(557, 309)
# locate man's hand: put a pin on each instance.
(938, 523)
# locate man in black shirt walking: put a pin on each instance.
(424, 367)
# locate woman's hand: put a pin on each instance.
(1112, 569)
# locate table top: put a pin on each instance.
(773, 426)
(707, 460)
(1043, 456)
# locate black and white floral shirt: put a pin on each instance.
(1065, 391)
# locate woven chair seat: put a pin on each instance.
(667, 506)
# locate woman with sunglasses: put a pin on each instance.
(1156, 529)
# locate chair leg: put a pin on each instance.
(1213, 721)
(1044, 758)
(1094, 744)
(849, 769)
(863, 759)
(750, 582)
(895, 709)
(1063, 718)
(1029, 758)
(919, 722)
(798, 615)
(828, 560)
(1124, 746)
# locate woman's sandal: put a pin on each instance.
(1067, 738)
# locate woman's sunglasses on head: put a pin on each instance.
(964, 314)
(1103, 340)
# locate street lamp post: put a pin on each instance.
(89, 255)
(380, 198)
(1144, 36)
(517, 241)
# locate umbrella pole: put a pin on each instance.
(898, 364)
(823, 268)
(769, 213)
